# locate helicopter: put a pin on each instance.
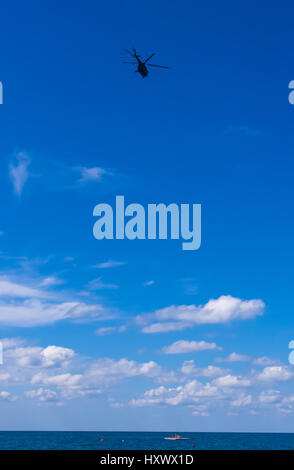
(142, 68)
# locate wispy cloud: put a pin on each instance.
(18, 172)
(68, 259)
(233, 357)
(190, 286)
(266, 361)
(165, 327)
(34, 312)
(109, 264)
(183, 347)
(107, 330)
(269, 396)
(242, 400)
(51, 281)
(98, 284)
(9, 288)
(24, 305)
(149, 283)
(90, 174)
(6, 396)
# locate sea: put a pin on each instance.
(51, 440)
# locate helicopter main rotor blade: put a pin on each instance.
(129, 52)
(159, 66)
(149, 57)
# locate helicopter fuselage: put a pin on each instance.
(142, 69)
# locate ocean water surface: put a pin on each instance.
(51, 440)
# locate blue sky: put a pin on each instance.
(78, 127)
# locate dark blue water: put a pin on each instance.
(43, 440)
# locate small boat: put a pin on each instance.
(177, 437)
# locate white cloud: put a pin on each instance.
(51, 356)
(269, 396)
(98, 284)
(188, 369)
(5, 377)
(9, 288)
(285, 410)
(183, 347)
(34, 312)
(272, 373)
(51, 281)
(266, 361)
(24, 305)
(149, 283)
(60, 380)
(8, 343)
(107, 330)
(109, 264)
(18, 172)
(116, 405)
(68, 259)
(164, 327)
(96, 378)
(200, 410)
(43, 395)
(171, 396)
(285, 406)
(107, 369)
(56, 356)
(242, 400)
(6, 396)
(90, 174)
(222, 310)
(231, 381)
(233, 357)
(56, 374)
(188, 394)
